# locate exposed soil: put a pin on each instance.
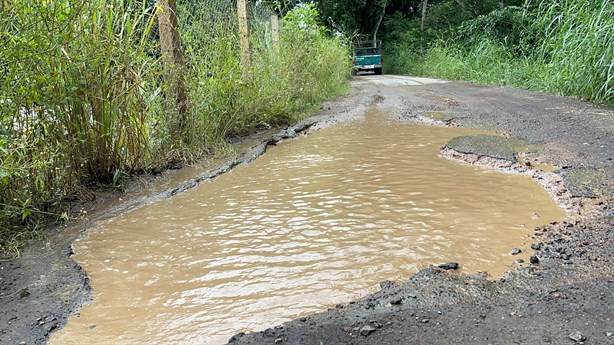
(563, 297)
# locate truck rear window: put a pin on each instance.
(366, 51)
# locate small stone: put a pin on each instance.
(534, 259)
(535, 216)
(425, 321)
(449, 266)
(397, 300)
(386, 284)
(302, 319)
(366, 330)
(536, 246)
(412, 295)
(516, 251)
(520, 261)
(278, 341)
(24, 293)
(577, 336)
(609, 334)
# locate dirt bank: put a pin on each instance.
(566, 293)
(563, 296)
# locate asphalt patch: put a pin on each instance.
(583, 182)
(491, 146)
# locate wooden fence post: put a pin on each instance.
(275, 32)
(244, 32)
(172, 54)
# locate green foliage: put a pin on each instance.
(564, 46)
(578, 48)
(82, 95)
(508, 27)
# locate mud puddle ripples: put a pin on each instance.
(314, 222)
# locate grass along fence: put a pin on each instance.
(84, 101)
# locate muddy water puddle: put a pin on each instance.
(315, 222)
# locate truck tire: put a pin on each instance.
(378, 71)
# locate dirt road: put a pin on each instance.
(564, 298)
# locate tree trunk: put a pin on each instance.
(379, 22)
(423, 25)
(501, 4)
(172, 55)
(244, 32)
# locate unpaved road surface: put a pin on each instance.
(564, 298)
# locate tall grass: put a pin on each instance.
(563, 46)
(72, 103)
(82, 99)
(579, 47)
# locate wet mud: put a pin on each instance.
(561, 295)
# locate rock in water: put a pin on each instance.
(449, 266)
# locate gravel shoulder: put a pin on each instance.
(567, 294)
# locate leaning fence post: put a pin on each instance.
(244, 32)
(275, 32)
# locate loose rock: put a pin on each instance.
(534, 259)
(516, 251)
(366, 330)
(577, 336)
(397, 300)
(449, 266)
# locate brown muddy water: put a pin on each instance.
(314, 222)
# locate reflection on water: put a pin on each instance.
(315, 222)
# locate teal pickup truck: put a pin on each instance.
(368, 56)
